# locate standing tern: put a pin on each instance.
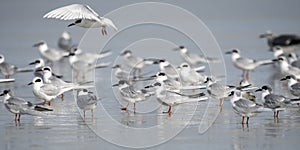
(86, 100)
(194, 59)
(83, 15)
(170, 70)
(293, 84)
(217, 90)
(8, 69)
(48, 92)
(189, 76)
(275, 102)
(136, 62)
(287, 69)
(50, 54)
(244, 107)
(39, 64)
(86, 57)
(129, 93)
(19, 106)
(246, 64)
(171, 98)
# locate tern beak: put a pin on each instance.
(283, 79)
(72, 24)
(32, 63)
(115, 85)
(30, 83)
(228, 52)
(258, 90)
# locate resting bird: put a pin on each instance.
(83, 15)
(19, 106)
(86, 100)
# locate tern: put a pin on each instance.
(86, 100)
(275, 102)
(194, 59)
(244, 107)
(246, 64)
(171, 98)
(50, 54)
(19, 106)
(131, 94)
(83, 15)
(8, 69)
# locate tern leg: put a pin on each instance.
(19, 116)
(16, 116)
(44, 102)
(274, 114)
(247, 120)
(125, 108)
(221, 102)
(62, 97)
(169, 110)
(84, 114)
(49, 103)
(6, 76)
(247, 74)
(134, 108)
(243, 120)
(92, 111)
(277, 114)
(243, 74)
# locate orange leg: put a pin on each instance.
(62, 97)
(49, 103)
(169, 110)
(134, 108)
(247, 75)
(243, 119)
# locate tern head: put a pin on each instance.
(266, 35)
(181, 48)
(155, 85)
(264, 88)
(2, 59)
(76, 50)
(116, 66)
(109, 23)
(288, 77)
(281, 59)
(39, 63)
(233, 51)
(184, 66)
(41, 43)
(126, 52)
(5, 92)
(84, 92)
(36, 80)
(121, 83)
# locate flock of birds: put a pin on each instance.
(171, 85)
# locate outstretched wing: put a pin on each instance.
(72, 12)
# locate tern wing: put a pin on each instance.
(73, 12)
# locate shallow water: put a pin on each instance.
(234, 24)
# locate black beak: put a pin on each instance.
(30, 83)
(231, 93)
(72, 24)
(2, 94)
(32, 63)
(262, 36)
(90, 92)
(115, 85)
(283, 79)
(57, 76)
(228, 52)
(258, 90)
(37, 44)
(149, 86)
(40, 69)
